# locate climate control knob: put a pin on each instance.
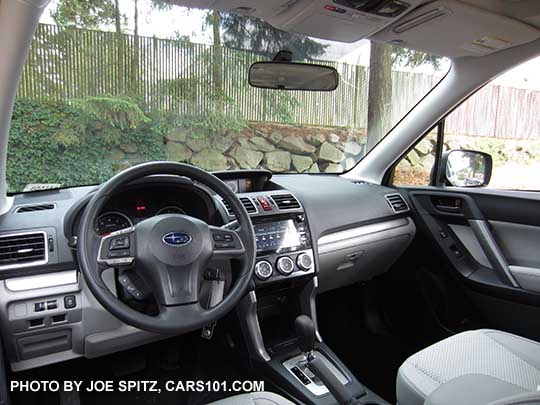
(304, 261)
(263, 270)
(285, 265)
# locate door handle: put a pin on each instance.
(448, 208)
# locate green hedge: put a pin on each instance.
(72, 143)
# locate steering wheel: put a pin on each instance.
(169, 252)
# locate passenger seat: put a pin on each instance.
(474, 367)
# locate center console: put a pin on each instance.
(283, 248)
(284, 287)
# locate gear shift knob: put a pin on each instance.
(305, 332)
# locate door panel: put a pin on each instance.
(490, 238)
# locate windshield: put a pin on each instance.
(110, 84)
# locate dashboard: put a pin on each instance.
(306, 226)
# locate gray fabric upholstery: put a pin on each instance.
(472, 389)
(254, 398)
(497, 355)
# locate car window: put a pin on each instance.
(503, 120)
(105, 88)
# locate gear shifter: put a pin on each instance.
(305, 332)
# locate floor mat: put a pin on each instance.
(373, 358)
(198, 360)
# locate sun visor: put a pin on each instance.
(338, 20)
(454, 29)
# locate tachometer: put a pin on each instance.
(173, 209)
(112, 221)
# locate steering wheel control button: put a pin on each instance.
(263, 270)
(70, 301)
(118, 253)
(224, 245)
(285, 265)
(119, 242)
(218, 237)
(304, 261)
(39, 306)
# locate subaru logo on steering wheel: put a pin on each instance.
(176, 238)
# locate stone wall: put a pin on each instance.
(279, 148)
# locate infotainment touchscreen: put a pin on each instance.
(277, 236)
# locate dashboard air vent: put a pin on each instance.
(23, 249)
(285, 201)
(397, 203)
(246, 202)
(32, 208)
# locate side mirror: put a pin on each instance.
(467, 168)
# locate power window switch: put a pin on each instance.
(39, 306)
(70, 301)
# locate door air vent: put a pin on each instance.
(246, 202)
(285, 201)
(31, 208)
(23, 249)
(397, 203)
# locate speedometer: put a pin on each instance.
(111, 221)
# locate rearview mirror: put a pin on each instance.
(293, 76)
(467, 168)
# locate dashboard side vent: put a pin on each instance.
(248, 205)
(397, 203)
(246, 202)
(37, 207)
(23, 249)
(285, 201)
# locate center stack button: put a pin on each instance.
(285, 265)
(263, 270)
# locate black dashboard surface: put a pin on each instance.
(334, 203)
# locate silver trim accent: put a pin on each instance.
(116, 261)
(258, 273)
(113, 212)
(386, 197)
(492, 251)
(299, 263)
(343, 239)
(280, 269)
(42, 281)
(35, 262)
(317, 389)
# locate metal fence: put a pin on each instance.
(176, 75)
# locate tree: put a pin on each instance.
(217, 57)
(379, 92)
(90, 14)
(134, 79)
(383, 57)
(248, 33)
(95, 14)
